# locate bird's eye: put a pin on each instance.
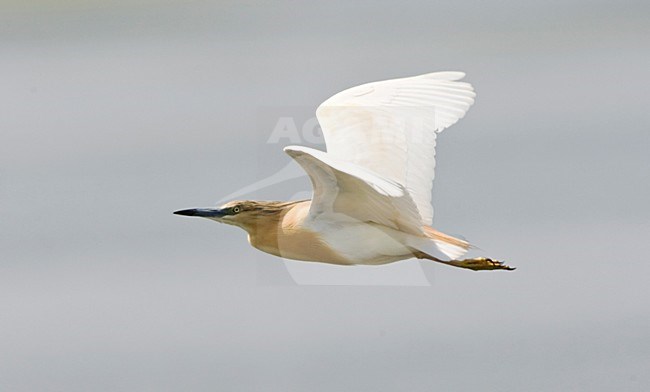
(236, 209)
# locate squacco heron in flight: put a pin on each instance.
(371, 201)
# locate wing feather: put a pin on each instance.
(390, 127)
(352, 192)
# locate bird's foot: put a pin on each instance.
(480, 264)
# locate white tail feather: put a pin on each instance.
(439, 245)
(439, 249)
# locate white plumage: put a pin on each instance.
(380, 159)
(390, 128)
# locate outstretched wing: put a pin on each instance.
(390, 128)
(355, 193)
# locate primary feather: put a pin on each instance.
(390, 128)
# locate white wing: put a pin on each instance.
(390, 128)
(356, 193)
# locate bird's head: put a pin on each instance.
(242, 213)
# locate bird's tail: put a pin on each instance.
(439, 245)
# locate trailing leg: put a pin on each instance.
(475, 264)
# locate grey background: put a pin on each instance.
(114, 114)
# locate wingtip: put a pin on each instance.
(444, 75)
(299, 150)
(292, 150)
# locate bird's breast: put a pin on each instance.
(296, 236)
(300, 245)
(345, 244)
(291, 237)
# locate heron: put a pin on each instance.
(372, 188)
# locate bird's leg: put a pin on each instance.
(475, 264)
(480, 264)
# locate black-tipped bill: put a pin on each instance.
(202, 212)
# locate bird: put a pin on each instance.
(372, 187)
